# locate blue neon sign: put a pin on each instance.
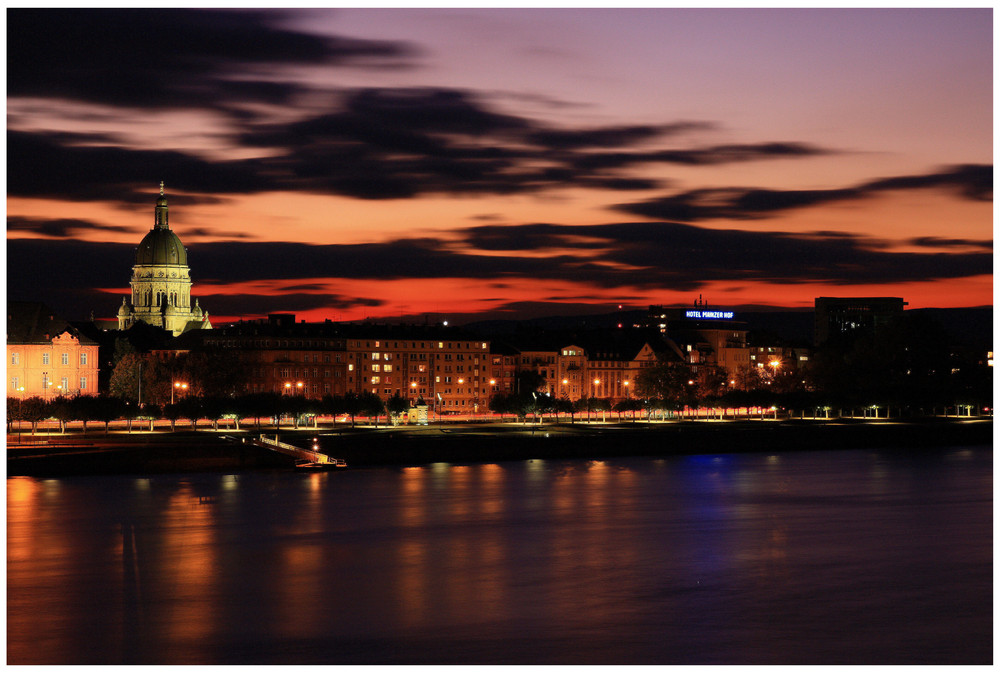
(709, 315)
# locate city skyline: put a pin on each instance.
(392, 163)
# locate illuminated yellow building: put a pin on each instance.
(161, 282)
(46, 356)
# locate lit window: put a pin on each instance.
(376, 379)
(350, 368)
(376, 368)
(375, 356)
(387, 368)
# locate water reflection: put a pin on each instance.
(787, 558)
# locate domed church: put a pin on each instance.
(161, 282)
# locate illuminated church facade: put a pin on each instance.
(161, 281)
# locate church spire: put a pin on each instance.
(161, 211)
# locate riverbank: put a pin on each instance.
(206, 451)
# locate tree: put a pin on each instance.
(34, 409)
(351, 405)
(710, 383)
(529, 381)
(125, 378)
(370, 405)
(501, 404)
(215, 372)
(563, 405)
(105, 409)
(397, 405)
(666, 381)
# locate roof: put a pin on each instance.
(35, 323)
(161, 246)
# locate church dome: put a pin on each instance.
(161, 246)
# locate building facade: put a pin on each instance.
(161, 281)
(46, 356)
(846, 317)
(705, 336)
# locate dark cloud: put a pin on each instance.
(612, 136)
(973, 182)
(169, 58)
(48, 165)
(649, 255)
(707, 156)
(253, 304)
(61, 228)
(938, 242)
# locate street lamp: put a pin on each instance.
(20, 398)
(625, 383)
(177, 386)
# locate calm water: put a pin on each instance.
(816, 557)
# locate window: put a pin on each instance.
(83, 358)
(83, 383)
(15, 382)
(375, 356)
(45, 358)
(65, 384)
(376, 379)
(387, 368)
(376, 368)
(15, 358)
(350, 368)
(65, 358)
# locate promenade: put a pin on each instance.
(141, 450)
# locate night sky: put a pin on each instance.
(391, 163)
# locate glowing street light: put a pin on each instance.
(177, 386)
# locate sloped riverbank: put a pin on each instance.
(160, 452)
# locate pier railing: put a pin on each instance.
(294, 451)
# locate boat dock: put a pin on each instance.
(304, 458)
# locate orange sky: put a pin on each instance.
(787, 153)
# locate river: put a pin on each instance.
(812, 557)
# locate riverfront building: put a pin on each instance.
(46, 356)
(846, 317)
(445, 366)
(704, 336)
(161, 281)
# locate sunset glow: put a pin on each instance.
(403, 164)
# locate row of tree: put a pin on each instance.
(254, 406)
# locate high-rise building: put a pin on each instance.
(161, 281)
(846, 317)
